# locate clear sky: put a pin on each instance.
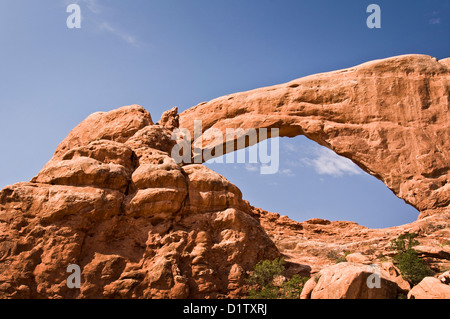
(166, 53)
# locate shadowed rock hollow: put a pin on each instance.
(139, 225)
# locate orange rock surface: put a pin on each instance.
(113, 201)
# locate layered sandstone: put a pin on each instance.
(112, 201)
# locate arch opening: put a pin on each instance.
(314, 182)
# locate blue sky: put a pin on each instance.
(168, 53)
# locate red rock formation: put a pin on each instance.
(112, 201)
(390, 117)
(139, 225)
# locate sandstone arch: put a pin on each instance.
(390, 117)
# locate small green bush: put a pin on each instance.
(265, 271)
(262, 279)
(408, 262)
(412, 267)
(268, 292)
(293, 288)
(404, 242)
(336, 257)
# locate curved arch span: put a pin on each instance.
(388, 116)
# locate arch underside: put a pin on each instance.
(390, 117)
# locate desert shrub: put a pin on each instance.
(262, 280)
(404, 242)
(265, 271)
(402, 296)
(336, 257)
(293, 288)
(412, 268)
(267, 292)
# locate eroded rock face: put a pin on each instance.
(113, 201)
(391, 117)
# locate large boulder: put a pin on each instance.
(350, 281)
(430, 288)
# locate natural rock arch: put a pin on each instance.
(388, 116)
